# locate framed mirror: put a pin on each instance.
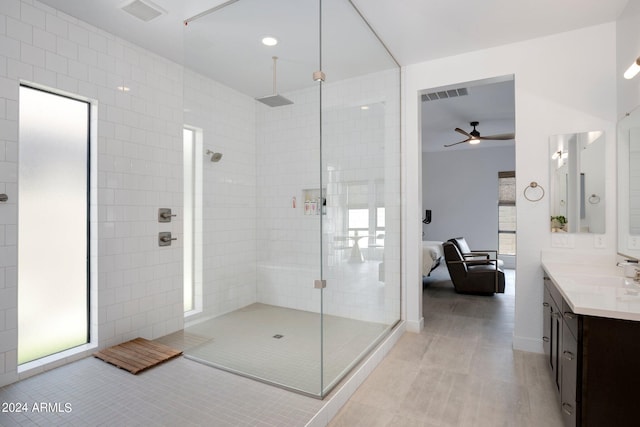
(577, 182)
(629, 184)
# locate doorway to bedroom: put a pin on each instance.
(468, 182)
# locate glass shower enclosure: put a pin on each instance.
(292, 190)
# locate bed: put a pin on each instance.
(431, 255)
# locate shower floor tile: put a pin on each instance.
(282, 346)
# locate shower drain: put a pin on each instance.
(278, 336)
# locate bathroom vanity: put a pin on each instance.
(591, 337)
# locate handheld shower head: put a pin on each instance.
(215, 157)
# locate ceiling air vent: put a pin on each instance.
(143, 9)
(444, 94)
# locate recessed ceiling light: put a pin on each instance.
(364, 107)
(123, 88)
(269, 41)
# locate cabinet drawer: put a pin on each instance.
(569, 369)
(570, 318)
(553, 291)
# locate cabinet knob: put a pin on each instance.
(568, 355)
(545, 339)
(569, 315)
(545, 304)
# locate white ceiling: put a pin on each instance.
(489, 102)
(225, 44)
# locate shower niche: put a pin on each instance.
(337, 143)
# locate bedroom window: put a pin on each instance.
(507, 213)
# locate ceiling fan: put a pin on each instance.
(474, 137)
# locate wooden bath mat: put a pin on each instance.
(137, 355)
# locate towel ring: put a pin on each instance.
(594, 199)
(533, 185)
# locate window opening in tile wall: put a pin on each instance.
(366, 214)
(53, 223)
(507, 213)
(193, 155)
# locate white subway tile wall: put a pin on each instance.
(257, 247)
(138, 168)
(227, 121)
(359, 147)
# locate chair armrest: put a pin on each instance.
(493, 261)
(476, 254)
(470, 263)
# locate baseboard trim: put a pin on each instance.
(415, 326)
(528, 344)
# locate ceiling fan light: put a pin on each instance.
(474, 141)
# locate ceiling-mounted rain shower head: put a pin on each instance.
(274, 100)
(215, 157)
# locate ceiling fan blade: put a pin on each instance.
(500, 137)
(456, 143)
(465, 133)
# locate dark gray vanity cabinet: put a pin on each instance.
(596, 365)
(552, 329)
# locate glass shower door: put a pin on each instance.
(360, 163)
(259, 106)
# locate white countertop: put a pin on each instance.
(596, 290)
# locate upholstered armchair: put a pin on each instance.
(476, 256)
(470, 277)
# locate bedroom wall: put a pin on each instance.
(563, 83)
(461, 189)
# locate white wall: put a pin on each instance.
(461, 189)
(627, 51)
(139, 169)
(227, 120)
(563, 83)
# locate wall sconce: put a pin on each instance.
(632, 70)
(427, 217)
(560, 155)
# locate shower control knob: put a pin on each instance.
(164, 215)
(164, 238)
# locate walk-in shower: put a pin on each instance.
(296, 235)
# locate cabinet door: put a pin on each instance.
(546, 324)
(569, 374)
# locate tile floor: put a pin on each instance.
(460, 371)
(293, 360)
